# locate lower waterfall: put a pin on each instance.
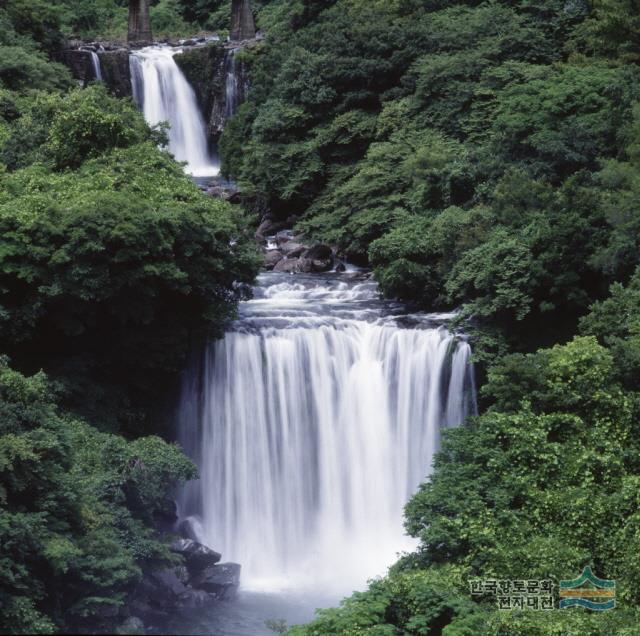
(163, 94)
(312, 422)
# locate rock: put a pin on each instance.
(341, 267)
(272, 258)
(283, 237)
(116, 72)
(319, 252)
(287, 265)
(131, 627)
(196, 556)
(268, 227)
(186, 531)
(320, 258)
(222, 580)
(322, 266)
(304, 266)
(224, 191)
(195, 599)
(167, 584)
(78, 62)
(291, 249)
(182, 572)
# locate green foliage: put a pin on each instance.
(22, 64)
(166, 19)
(124, 258)
(616, 323)
(112, 264)
(563, 119)
(89, 122)
(544, 482)
(111, 260)
(373, 121)
(73, 510)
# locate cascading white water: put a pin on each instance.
(163, 94)
(231, 86)
(97, 69)
(312, 422)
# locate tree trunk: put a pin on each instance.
(139, 22)
(243, 26)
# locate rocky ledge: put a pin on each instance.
(286, 251)
(197, 581)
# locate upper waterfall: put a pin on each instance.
(312, 422)
(163, 94)
(95, 64)
(231, 85)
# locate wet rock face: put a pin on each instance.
(287, 266)
(272, 258)
(78, 62)
(196, 556)
(268, 227)
(203, 67)
(222, 580)
(298, 258)
(113, 63)
(116, 72)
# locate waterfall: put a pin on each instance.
(95, 63)
(163, 94)
(312, 423)
(231, 87)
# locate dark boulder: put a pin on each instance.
(287, 265)
(195, 600)
(186, 531)
(222, 580)
(196, 556)
(284, 236)
(167, 585)
(319, 252)
(131, 627)
(291, 249)
(268, 227)
(272, 258)
(318, 258)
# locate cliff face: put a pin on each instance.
(114, 65)
(116, 72)
(78, 62)
(207, 69)
(217, 74)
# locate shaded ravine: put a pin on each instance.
(312, 422)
